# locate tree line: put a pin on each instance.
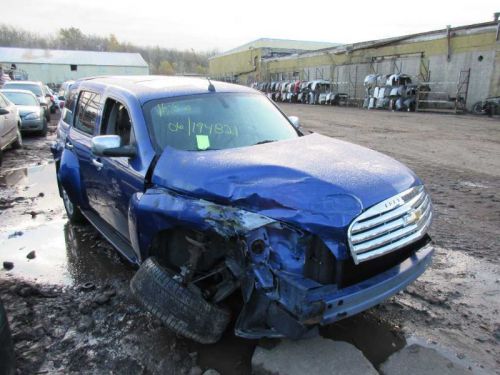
(161, 60)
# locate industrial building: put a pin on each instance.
(462, 60)
(57, 66)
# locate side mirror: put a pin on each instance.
(295, 121)
(4, 111)
(110, 145)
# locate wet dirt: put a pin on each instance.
(70, 306)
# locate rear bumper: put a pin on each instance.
(359, 297)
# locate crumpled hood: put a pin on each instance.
(314, 182)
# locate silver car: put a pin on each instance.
(10, 132)
(32, 115)
(36, 87)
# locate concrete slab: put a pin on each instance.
(419, 360)
(316, 356)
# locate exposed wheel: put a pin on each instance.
(18, 143)
(182, 310)
(74, 214)
(7, 357)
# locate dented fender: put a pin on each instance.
(160, 209)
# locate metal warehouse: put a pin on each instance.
(56, 66)
(464, 59)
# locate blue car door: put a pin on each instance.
(118, 178)
(79, 140)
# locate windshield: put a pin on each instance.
(35, 89)
(216, 121)
(19, 98)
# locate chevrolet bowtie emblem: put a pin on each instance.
(412, 217)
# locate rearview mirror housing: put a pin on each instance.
(110, 145)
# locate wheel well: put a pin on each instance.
(171, 247)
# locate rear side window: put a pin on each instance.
(69, 107)
(87, 110)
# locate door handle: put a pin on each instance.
(97, 164)
(69, 145)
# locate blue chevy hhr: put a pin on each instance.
(218, 197)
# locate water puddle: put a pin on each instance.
(35, 221)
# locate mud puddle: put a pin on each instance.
(33, 220)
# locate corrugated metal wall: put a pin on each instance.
(51, 73)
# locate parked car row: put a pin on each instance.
(306, 92)
(25, 106)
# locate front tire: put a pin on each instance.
(75, 216)
(179, 308)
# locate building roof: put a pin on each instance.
(66, 57)
(299, 45)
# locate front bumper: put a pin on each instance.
(359, 297)
(31, 125)
(298, 305)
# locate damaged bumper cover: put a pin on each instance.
(299, 305)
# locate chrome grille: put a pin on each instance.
(390, 225)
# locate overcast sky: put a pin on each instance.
(225, 24)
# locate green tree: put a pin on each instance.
(71, 38)
(166, 68)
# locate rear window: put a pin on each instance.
(19, 98)
(215, 121)
(87, 110)
(34, 88)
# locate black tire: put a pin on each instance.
(18, 143)
(477, 108)
(44, 130)
(74, 214)
(180, 309)
(7, 358)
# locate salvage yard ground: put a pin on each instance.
(73, 311)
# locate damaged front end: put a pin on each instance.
(291, 280)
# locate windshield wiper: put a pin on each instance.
(265, 141)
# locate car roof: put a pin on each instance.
(18, 91)
(25, 82)
(147, 88)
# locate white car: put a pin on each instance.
(10, 126)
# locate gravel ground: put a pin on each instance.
(71, 310)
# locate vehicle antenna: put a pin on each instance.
(211, 87)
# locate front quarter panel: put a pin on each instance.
(69, 177)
